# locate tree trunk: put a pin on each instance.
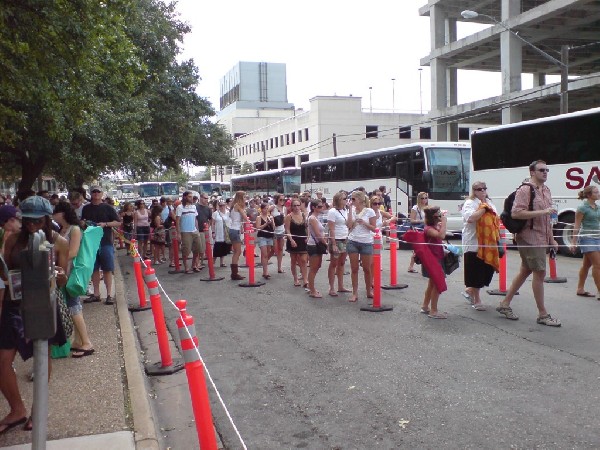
(30, 172)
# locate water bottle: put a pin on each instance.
(454, 249)
(554, 214)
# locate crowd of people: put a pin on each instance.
(310, 227)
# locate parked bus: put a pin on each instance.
(205, 187)
(569, 145)
(226, 190)
(439, 168)
(283, 181)
(169, 189)
(126, 192)
(148, 191)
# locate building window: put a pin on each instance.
(306, 135)
(299, 136)
(463, 133)
(425, 133)
(371, 131)
(404, 133)
(293, 138)
(281, 141)
(287, 139)
(303, 158)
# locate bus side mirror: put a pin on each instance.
(427, 178)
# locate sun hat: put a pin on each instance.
(35, 207)
(7, 212)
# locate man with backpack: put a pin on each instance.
(533, 240)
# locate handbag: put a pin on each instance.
(451, 262)
(63, 313)
(83, 264)
(278, 220)
(321, 246)
(225, 230)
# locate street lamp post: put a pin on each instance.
(421, 88)
(564, 64)
(393, 95)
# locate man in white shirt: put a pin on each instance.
(187, 231)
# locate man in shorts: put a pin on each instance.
(187, 231)
(533, 241)
(204, 217)
(102, 215)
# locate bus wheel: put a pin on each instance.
(563, 233)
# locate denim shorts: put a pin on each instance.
(74, 304)
(234, 235)
(142, 234)
(340, 244)
(105, 258)
(589, 244)
(263, 241)
(359, 247)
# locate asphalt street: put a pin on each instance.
(298, 372)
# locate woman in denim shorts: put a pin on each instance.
(338, 234)
(264, 237)
(316, 235)
(64, 215)
(361, 222)
(238, 217)
(587, 232)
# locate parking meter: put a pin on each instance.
(38, 305)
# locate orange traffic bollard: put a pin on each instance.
(250, 261)
(137, 270)
(175, 245)
(503, 260)
(166, 365)
(393, 260)
(194, 370)
(209, 257)
(376, 273)
(553, 278)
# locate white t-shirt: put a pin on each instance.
(187, 218)
(360, 233)
(469, 232)
(338, 217)
(219, 219)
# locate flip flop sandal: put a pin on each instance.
(585, 294)
(11, 425)
(412, 271)
(83, 353)
(344, 290)
(353, 301)
(437, 315)
(479, 307)
(315, 295)
(424, 311)
(333, 294)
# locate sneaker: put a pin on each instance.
(549, 321)
(507, 312)
(91, 299)
(109, 300)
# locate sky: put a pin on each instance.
(330, 47)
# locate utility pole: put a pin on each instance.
(564, 79)
(334, 139)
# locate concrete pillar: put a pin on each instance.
(439, 87)
(539, 79)
(511, 61)
(452, 81)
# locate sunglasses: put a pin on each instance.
(353, 199)
(480, 189)
(319, 207)
(296, 205)
(35, 220)
(375, 203)
(424, 198)
(95, 191)
(543, 170)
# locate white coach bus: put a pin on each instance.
(439, 168)
(570, 145)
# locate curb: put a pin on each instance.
(145, 435)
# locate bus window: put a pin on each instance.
(446, 169)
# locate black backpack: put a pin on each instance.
(516, 225)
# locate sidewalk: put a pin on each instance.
(99, 401)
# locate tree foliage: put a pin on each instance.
(91, 87)
(247, 168)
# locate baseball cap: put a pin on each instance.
(7, 212)
(35, 207)
(96, 188)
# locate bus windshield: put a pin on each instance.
(127, 189)
(449, 169)
(149, 190)
(170, 189)
(291, 182)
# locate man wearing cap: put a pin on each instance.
(10, 222)
(103, 215)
